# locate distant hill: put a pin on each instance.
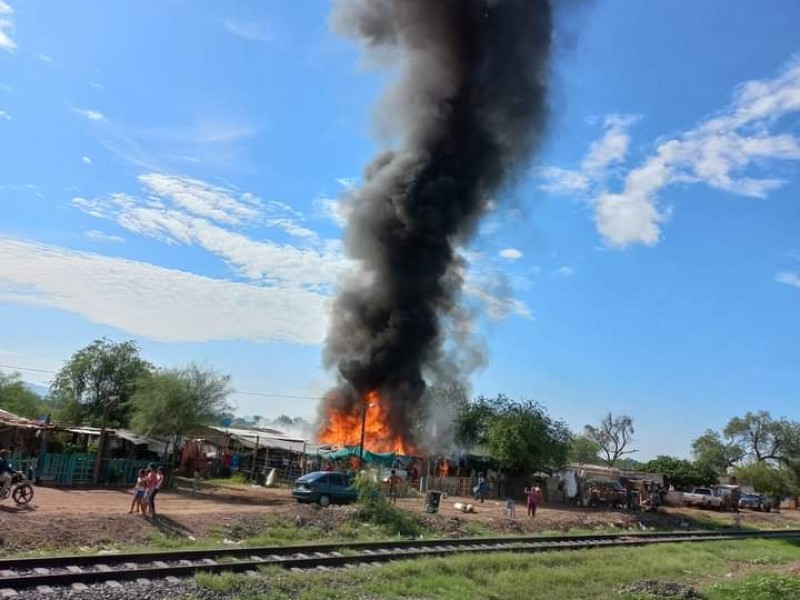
(40, 390)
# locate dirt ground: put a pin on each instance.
(97, 519)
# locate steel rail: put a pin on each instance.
(16, 574)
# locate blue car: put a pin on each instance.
(324, 488)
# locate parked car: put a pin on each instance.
(324, 488)
(703, 498)
(609, 493)
(755, 501)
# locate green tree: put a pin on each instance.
(102, 375)
(583, 449)
(472, 422)
(18, 399)
(718, 454)
(613, 435)
(521, 435)
(171, 402)
(681, 473)
(771, 480)
(760, 436)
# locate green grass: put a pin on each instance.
(583, 574)
(767, 586)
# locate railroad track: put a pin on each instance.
(112, 569)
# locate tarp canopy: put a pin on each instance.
(349, 451)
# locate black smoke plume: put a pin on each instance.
(468, 110)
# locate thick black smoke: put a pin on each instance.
(468, 110)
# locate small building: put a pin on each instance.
(253, 451)
(20, 435)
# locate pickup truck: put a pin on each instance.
(702, 497)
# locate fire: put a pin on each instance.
(344, 428)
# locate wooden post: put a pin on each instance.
(255, 457)
(98, 461)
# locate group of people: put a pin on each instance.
(148, 483)
(533, 495)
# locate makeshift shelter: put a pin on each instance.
(254, 451)
(20, 435)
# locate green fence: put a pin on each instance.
(76, 470)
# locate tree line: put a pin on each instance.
(110, 382)
(754, 449)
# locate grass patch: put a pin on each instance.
(565, 575)
(761, 587)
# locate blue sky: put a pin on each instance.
(172, 171)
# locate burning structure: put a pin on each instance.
(468, 109)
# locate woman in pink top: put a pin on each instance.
(154, 484)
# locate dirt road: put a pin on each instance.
(99, 519)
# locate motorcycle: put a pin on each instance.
(20, 490)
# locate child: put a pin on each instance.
(511, 506)
(138, 492)
(196, 482)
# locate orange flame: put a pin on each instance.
(344, 428)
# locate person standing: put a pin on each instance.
(533, 499)
(137, 504)
(394, 486)
(5, 472)
(157, 483)
(196, 482)
(480, 489)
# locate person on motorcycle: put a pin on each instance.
(5, 472)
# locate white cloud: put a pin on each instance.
(254, 31)
(333, 210)
(154, 302)
(609, 150)
(5, 116)
(92, 115)
(181, 213)
(203, 199)
(718, 152)
(511, 253)
(788, 278)
(565, 271)
(6, 27)
(44, 58)
(86, 160)
(99, 236)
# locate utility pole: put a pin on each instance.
(101, 442)
(363, 429)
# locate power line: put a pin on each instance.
(244, 393)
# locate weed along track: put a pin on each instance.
(144, 568)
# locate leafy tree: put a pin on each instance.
(103, 374)
(583, 449)
(755, 437)
(472, 421)
(613, 436)
(18, 399)
(768, 479)
(521, 435)
(680, 473)
(718, 454)
(760, 436)
(171, 402)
